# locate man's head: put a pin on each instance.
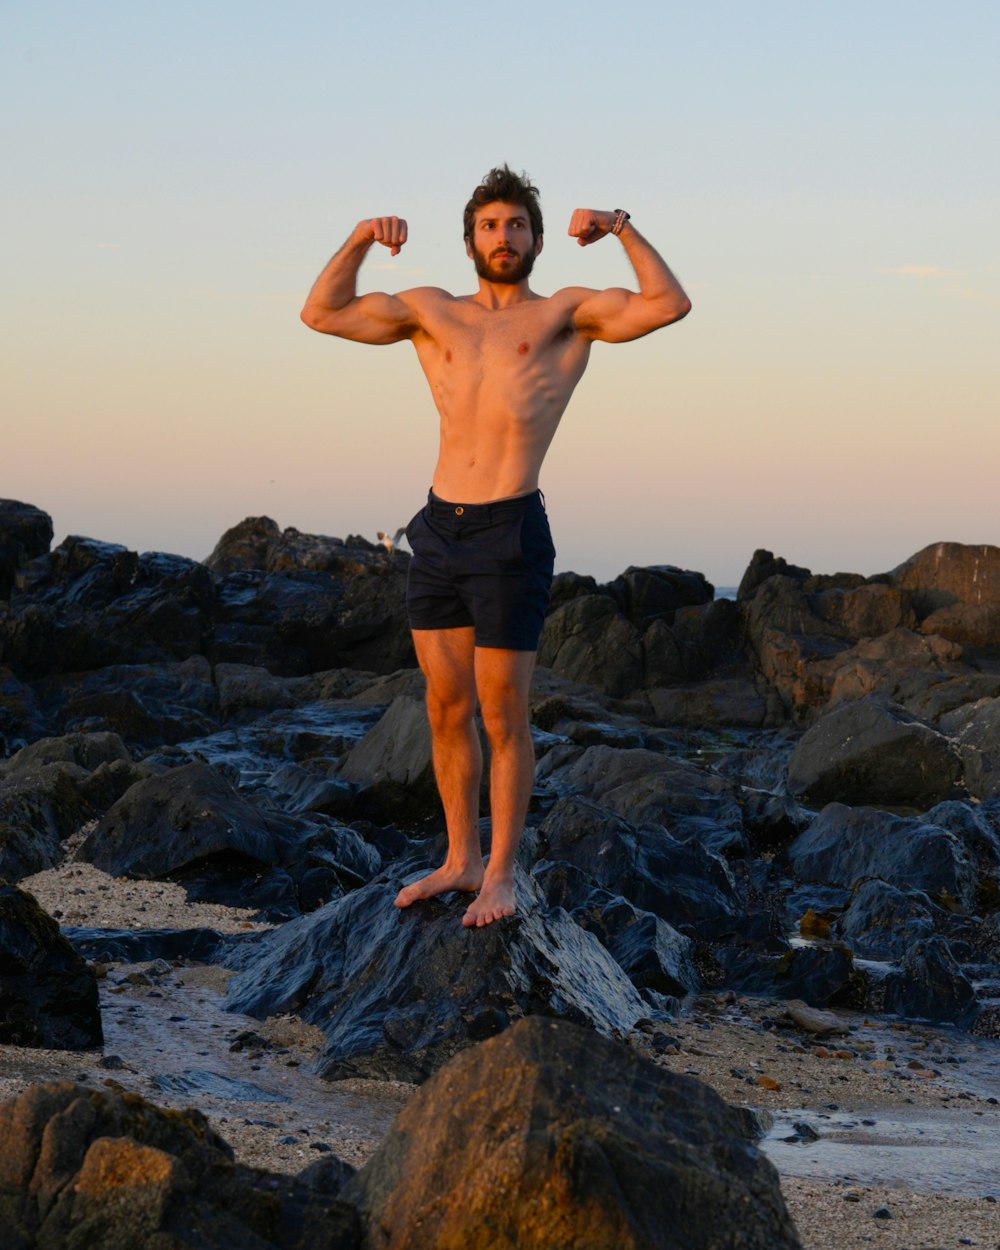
(503, 226)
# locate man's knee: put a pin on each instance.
(450, 713)
(505, 715)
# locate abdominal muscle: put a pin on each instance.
(500, 409)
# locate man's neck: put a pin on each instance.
(502, 294)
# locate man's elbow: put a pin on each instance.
(677, 309)
(311, 317)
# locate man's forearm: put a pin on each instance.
(656, 281)
(337, 285)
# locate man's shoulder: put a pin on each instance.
(426, 296)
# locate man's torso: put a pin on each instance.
(501, 379)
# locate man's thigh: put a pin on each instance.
(447, 659)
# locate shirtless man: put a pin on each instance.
(502, 364)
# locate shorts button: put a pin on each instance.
(459, 511)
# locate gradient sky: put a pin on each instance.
(822, 177)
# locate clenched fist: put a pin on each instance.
(389, 231)
(587, 225)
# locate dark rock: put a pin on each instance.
(874, 751)
(133, 946)
(652, 952)
(844, 845)
(147, 705)
(567, 586)
(821, 975)
(48, 993)
(976, 729)
(728, 702)
(89, 604)
(172, 821)
(930, 985)
(647, 787)
(87, 751)
(245, 691)
(681, 883)
(399, 992)
(864, 612)
(327, 1175)
(88, 1168)
(392, 764)
(247, 545)
(883, 922)
(654, 591)
(978, 829)
(25, 532)
(588, 640)
(764, 564)
(38, 807)
(551, 1136)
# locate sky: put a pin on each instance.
(823, 179)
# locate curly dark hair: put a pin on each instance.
(502, 185)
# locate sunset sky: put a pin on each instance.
(823, 178)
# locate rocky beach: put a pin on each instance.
(751, 997)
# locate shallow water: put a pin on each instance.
(950, 1150)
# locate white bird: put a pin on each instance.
(388, 543)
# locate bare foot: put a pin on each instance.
(494, 901)
(440, 881)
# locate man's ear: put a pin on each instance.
(538, 244)
(468, 248)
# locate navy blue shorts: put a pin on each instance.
(488, 565)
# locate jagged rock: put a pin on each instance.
(48, 993)
(864, 611)
(399, 992)
(588, 640)
(976, 729)
(844, 845)
(930, 985)
(681, 883)
(648, 787)
(245, 691)
(246, 545)
(652, 952)
(38, 810)
(86, 750)
(874, 751)
(25, 532)
(83, 1168)
(763, 565)
(88, 604)
(147, 705)
(884, 921)
(551, 1136)
(647, 593)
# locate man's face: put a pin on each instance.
(501, 245)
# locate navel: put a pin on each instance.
(447, 355)
(523, 349)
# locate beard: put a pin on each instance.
(511, 271)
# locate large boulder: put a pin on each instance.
(399, 992)
(169, 822)
(884, 921)
(930, 985)
(589, 640)
(48, 993)
(550, 1136)
(874, 751)
(83, 1169)
(946, 572)
(844, 845)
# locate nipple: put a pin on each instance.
(522, 349)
